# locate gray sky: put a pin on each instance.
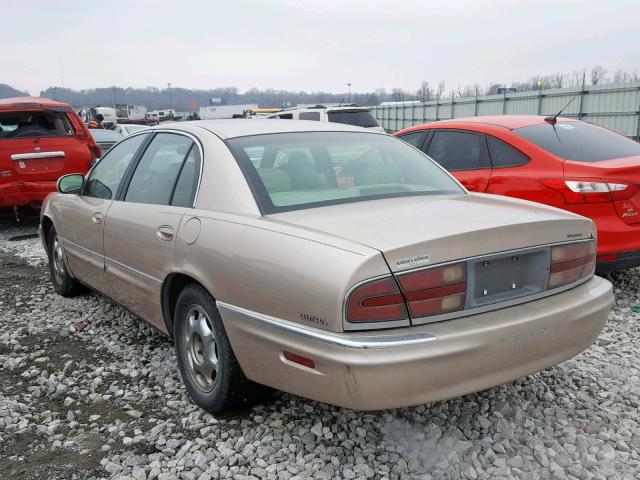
(309, 45)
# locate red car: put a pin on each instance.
(40, 140)
(566, 163)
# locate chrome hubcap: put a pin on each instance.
(58, 261)
(199, 348)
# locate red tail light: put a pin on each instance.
(436, 290)
(376, 301)
(591, 190)
(571, 262)
(443, 289)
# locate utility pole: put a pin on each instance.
(113, 89)
(349, 85)
(170, 98)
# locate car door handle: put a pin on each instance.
(165, 233)
(96, 218)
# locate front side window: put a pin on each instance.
(156, 175)
(503, 155)
(306, 169)
(105, 177)
(579, 141)
(459, 150)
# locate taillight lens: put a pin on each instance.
(436, 290)
(592, 190)
(376, 301)
(571, 262)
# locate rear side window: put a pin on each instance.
(309, 116)
(156, 175)
(503, 155)
(414, 138)
(359, 118)
(285, 116)
(579, 141)
(185, 190)
(32, 124)
(105, 177)
(459, 150)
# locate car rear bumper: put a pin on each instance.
(17, 194)
(622, 261)
(421, 364)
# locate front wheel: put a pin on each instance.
(209, 368)
(63, 283)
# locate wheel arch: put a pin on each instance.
(47, 225)
(173, 284)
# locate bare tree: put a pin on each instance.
(441, 87)
(556, 80)
(577, 77)
(425, 92)
(621, 76)
(597, 75)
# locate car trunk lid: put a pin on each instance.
(616, 171)
(426, 230)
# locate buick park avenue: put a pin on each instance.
(325, 260)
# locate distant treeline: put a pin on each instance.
(181, 98)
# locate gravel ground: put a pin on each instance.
(107, 402)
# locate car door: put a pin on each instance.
(82, 216)
(513, 174)
(142, 224)
(464, 154)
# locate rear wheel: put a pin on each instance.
(63, 283)
(208, 366)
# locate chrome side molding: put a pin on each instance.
(36, 155)
(347, 340)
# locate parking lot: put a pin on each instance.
(89, 391)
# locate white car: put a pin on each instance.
(125, 129)
(351, 114)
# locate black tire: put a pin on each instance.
(63, 283)
(227, 388)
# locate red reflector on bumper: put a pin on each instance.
(305, 362)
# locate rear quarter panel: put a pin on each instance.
(275, 270)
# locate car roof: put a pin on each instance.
(31, 102)
(242, 127)
(506, 121)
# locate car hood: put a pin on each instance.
(417, 231)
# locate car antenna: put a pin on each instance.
(553, 119)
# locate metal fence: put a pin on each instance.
(614, 106)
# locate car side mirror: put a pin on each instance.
(71, 183)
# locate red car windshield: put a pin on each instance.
(579, 141)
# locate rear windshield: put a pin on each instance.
(359, 118)
(579, 141)
(30, 124)
(292, 171)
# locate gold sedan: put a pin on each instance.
(325, 260)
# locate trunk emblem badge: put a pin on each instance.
(37, 148)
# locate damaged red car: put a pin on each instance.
(40, 140)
